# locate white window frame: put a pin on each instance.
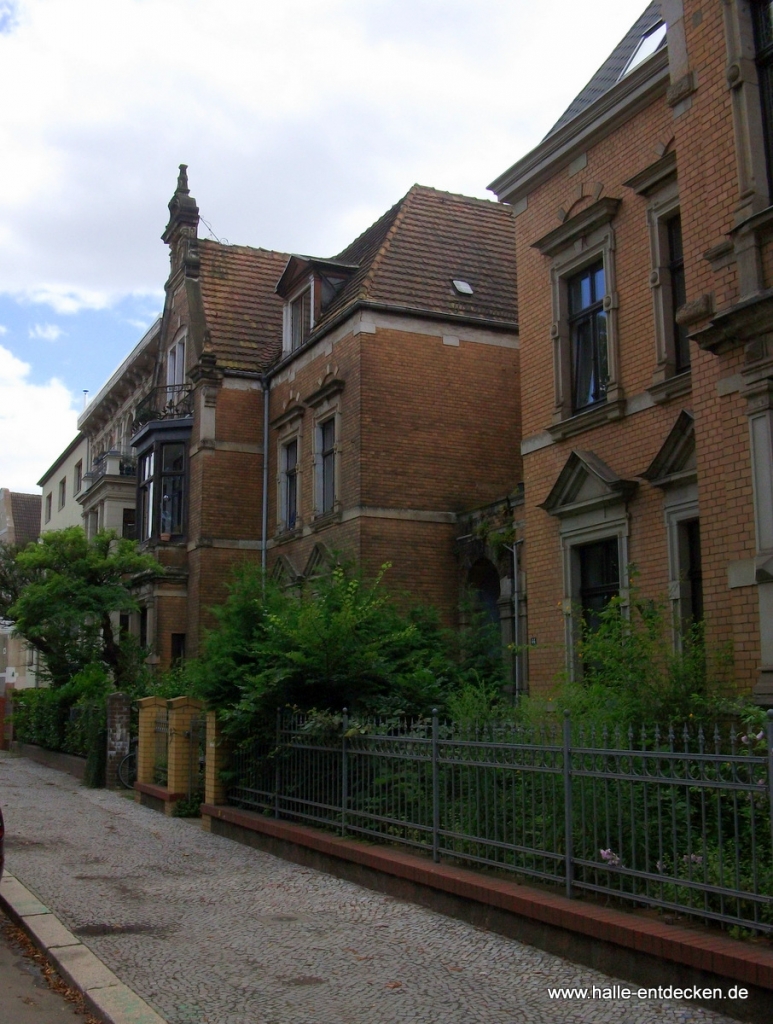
(175, 362)
(287, 328)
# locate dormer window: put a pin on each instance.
(300, 319)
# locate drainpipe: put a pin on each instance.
(264, 510)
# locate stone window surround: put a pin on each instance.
(663, 206)
(289, 428)
(598, 524)
(326, 403)
(176, 360)
(580, 241)
(680, 505)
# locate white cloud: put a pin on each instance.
(3, 330)
(36, 422)
(299, 120)
(46, 332)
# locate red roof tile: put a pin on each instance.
(243, 313)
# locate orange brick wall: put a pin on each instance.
(702, 138)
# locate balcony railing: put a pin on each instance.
(116, 462)
(171, 402)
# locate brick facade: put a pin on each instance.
(667, 128)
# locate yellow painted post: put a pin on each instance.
(181, 711)
(150, 708)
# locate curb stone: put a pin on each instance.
(105, 994)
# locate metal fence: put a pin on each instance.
(673, 819)
(197, 754)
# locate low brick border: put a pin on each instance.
(621, 944)
(157, 798)
(69, 763)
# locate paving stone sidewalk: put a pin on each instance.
(211, 932)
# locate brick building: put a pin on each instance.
(644, 241)
(363, 377)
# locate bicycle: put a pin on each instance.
(127, 769)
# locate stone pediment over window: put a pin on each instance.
(675, 462)
(319, 560)
(284, 572)
(584, 484)
(578, 226)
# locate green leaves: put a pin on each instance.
(60, 594)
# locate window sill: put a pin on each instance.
(326, 519)
(587, 420)
(672, 387)
(285, 536)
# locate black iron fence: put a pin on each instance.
(675, 819)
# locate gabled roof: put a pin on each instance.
(243, 312)
(586, 482)
(611, 70)
(675, 462)
(409, 257)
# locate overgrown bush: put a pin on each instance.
(337, 641)
(632, 674)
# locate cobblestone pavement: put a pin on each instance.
(212, 932)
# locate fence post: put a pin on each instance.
(217, 754)
(344, 770)
(568, 800)
(770, 770)
(277, 773)
(146, 743)
(118, 737)
(181, 711)
(435, 791)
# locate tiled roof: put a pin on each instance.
(25, 509)
(243, 313)
(409, 257)
(609, 72)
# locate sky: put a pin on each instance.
(301, 122)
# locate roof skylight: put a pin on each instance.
(462, 287)
(647, 45)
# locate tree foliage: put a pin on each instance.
(60, 593)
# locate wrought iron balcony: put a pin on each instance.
(171, 402)
(116, 462)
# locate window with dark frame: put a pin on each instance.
(178, 648)
(48, 508)
(172, 489)
(77, 478)
(327, 438)
(300, 319)
(62, 492)
(762, 12)
(588, 326)
(691, 571)
(290, 457)
(129, 526)
(678, 293)
(599, 565)
(161, 492)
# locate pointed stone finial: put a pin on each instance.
(182, 180)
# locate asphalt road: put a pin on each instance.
(25, 997)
